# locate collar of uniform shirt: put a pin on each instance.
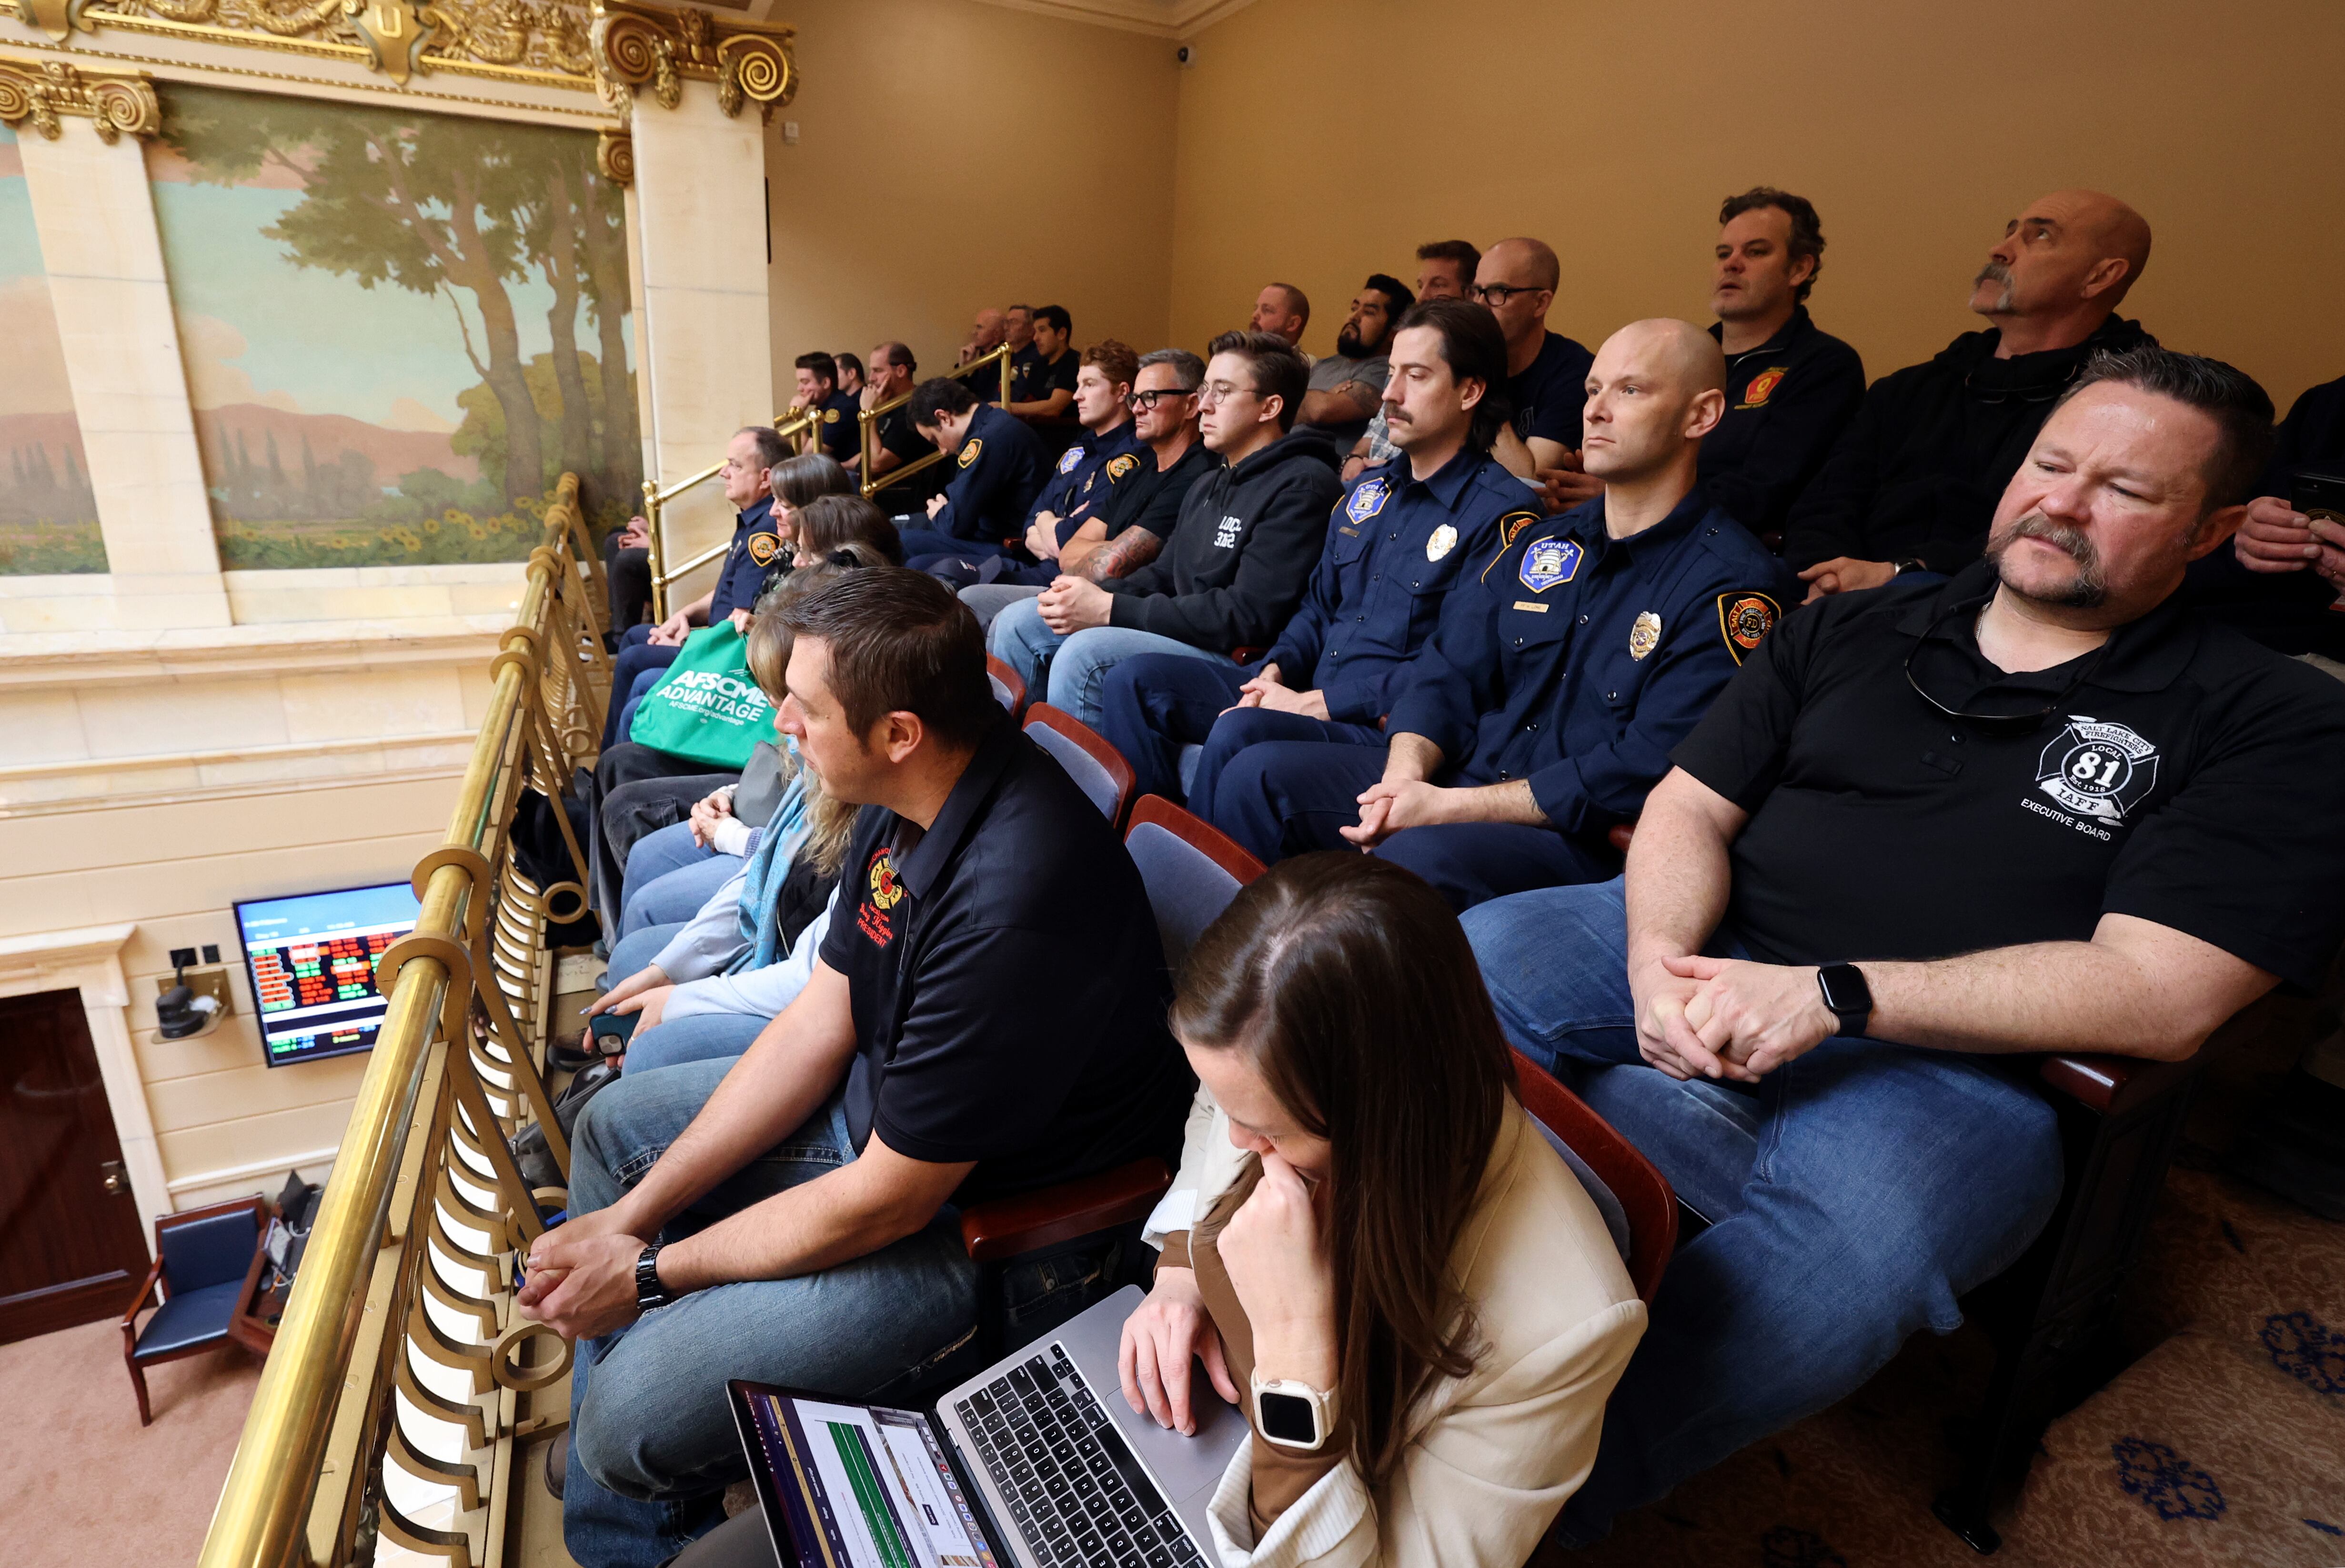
(918, 867)
(756, 511)
(1449, 480)
(2147, 654)
(1586, 522)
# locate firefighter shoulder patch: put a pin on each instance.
(1744, 619)
(970, 449)
(1512, 525)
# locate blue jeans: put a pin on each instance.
(636, 657)
(652, 894)
(630, 952)
(701, 1037)
(1853, 1195)
(652, 1440)
(1078, 663)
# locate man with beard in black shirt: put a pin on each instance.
(1913, 483)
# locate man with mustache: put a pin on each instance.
(1345, 385)
(2038, 807)
(1914, 482)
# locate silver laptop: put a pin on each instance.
(1035, 1462)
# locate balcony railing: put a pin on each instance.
(401, 1384)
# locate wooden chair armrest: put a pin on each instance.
(1009, 1226)
(2111, 1083)
(139, 1302)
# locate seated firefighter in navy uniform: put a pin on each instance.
(1403, 535)
(1545, 706)
(998, 469)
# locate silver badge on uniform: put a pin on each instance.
(1644, 634)
(1442, 540)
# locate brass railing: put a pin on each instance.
(869, 422)
(792, 427)
(402, 1380)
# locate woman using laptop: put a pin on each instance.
(1383, 1263)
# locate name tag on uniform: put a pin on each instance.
(1535, 608)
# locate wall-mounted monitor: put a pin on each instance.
(312, 958)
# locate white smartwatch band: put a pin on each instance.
(1293, 1415)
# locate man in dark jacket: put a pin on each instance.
(1240, 557)
(1913, 483)
(2287, 567)
(998, 469)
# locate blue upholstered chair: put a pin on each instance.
(1008, 689)
(208, 1266)
(1190, 869)
(1098, 769)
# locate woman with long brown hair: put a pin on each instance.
(1370, 1246)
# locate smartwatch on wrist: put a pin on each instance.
(1847, 995)
(649, 1291)
(1900, 568)
(1291, 1414)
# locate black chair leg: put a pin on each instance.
(2049, 1314)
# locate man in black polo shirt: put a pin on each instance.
(898, 443)
(2038, 807)
(1912, 482)
(1042, 388)
(1546, 372)
(817, 393)
(790, 1213)
(1791, 387)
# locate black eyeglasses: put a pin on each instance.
(1495, 294)
(1143, 401)
(2016, 721)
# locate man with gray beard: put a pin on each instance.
(1912, 484)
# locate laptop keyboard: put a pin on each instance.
(1074, 1488)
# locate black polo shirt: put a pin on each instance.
(1008, 982)
(841, 430)
(1038, 377)
(1551, 394)
(2187, 778)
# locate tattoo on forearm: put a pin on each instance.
(1122, 556)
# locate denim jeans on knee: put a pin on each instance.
(1080, 667)
(652, 1444)
(1877, 1183)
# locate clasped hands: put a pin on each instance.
(1726, 1017)
(582, 1276)
(2276, 537)
(1264, 691)
(1072, 604)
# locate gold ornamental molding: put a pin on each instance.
(542, 43)
(614, 156)
(118, 101)
(638, 45)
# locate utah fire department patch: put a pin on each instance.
(969, 449)
(763, 547)
(1548, 562)
(1744, 620)
(1119, 467)
(1511, 526)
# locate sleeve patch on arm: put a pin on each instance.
(1744, 619)
(1511, 526)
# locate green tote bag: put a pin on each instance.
(707, 709)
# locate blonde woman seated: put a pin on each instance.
(1381, 1240)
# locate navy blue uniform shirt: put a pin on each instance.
(1787, 401)
(1395, 546)
(755, 548)
(1575, 660)
(840, 432)
(1551, 392)
(1080, 483)
(997, 473)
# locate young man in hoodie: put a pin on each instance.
(1913, 482)
(1239, 560)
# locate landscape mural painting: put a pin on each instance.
(48, 517)
(399, 328)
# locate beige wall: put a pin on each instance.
(953, 155)
(1321, 139)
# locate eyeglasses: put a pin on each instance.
(1214, 392)
(1496, 295)
(1141, 402)
(2028, 719)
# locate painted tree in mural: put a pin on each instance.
(460, 209)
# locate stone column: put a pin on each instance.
(95, 217)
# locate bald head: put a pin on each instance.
(1657, 387)
(1516, 279)
(987, 333)
(2063, 264)
(1531, 262)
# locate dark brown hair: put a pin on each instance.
(1277, 370)
(830, 822)
(798, 482)
(1807, 229)
(827, 523)
(1350, 986)
(1459, 252)
(900, 642)
(2240, 408)
(1474, 349)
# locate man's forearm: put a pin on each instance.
(1122, 556)
(786, 1074)
(1352, 400)
(1511, 802)
(875, 1200)
(1679, 874)
(1410, 759)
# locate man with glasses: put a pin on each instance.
(2037, 808)
(1122, 530)
(1345, 385)
(1913, 483)
(1239, 559)
(1546, 372)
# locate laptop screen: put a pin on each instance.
(861, 1487)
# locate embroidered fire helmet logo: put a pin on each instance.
(2097, 769)
(887, 891)
(1762, 386)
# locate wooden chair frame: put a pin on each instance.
(244, 1327)
(1094, 745)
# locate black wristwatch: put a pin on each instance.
(1900, 568)
(649, 1291)
(1848, 996)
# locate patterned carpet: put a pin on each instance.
(2224, 1443)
